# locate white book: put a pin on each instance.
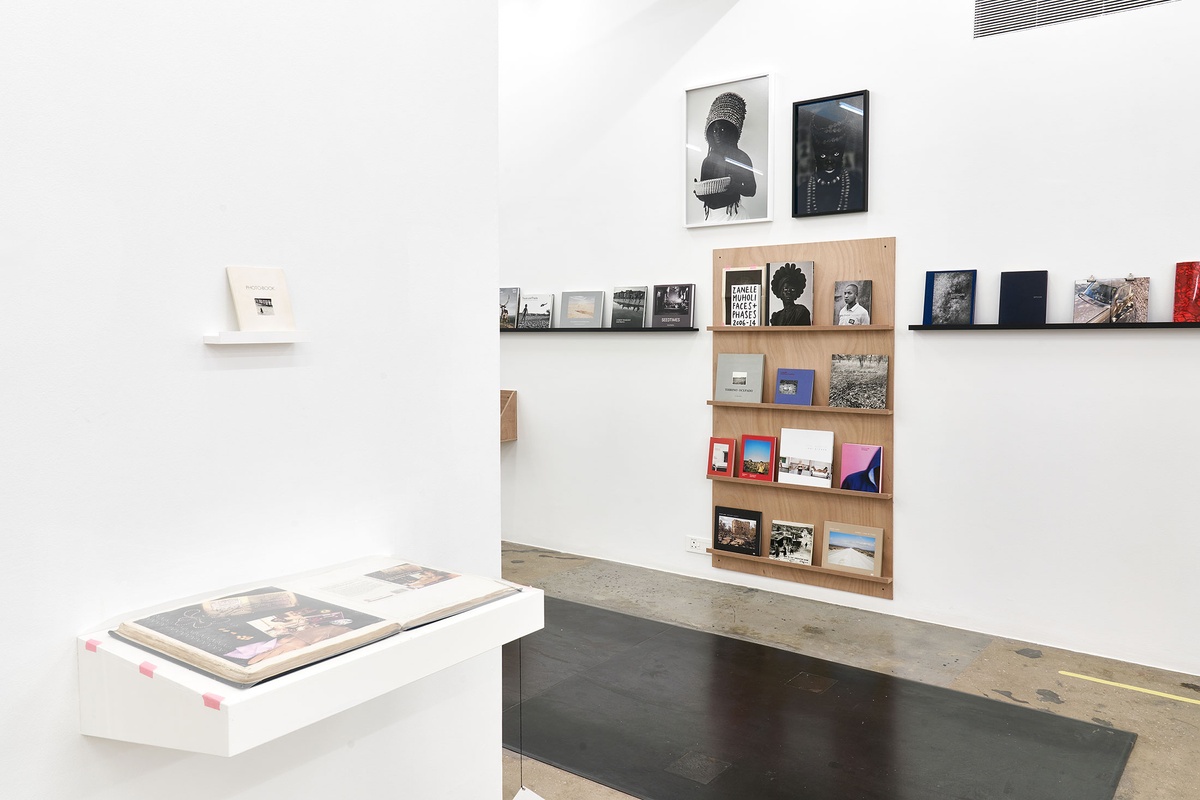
(805, 457)
(260, 298)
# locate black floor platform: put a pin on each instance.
(666, 713)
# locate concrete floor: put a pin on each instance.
(1165, 764)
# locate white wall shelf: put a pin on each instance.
(255, 337)
(134, 695)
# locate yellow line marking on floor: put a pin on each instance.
(1133, 688)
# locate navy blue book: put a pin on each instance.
(950, 297)
(1023, 297)
(794, 386)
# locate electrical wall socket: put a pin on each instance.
(696, 545)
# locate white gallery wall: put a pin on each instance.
(1044, 481)
(143, 148)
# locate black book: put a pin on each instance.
(1023, 297)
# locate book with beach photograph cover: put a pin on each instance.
(246, 636)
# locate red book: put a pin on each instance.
(722, 456)
(758, 458)
(1187, 292)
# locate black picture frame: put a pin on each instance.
(730, 531)
(829, 154)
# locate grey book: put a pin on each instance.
(739, 378)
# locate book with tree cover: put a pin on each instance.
(246, 636)
(260, 298)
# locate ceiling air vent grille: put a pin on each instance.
(1005, 16)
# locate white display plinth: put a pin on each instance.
(134, 695)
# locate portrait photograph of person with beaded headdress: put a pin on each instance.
(727, 147)
(829, 155)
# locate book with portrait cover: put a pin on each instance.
(260, 298)
(536, 312)
(739, 378)
(862, 467)
(629, 307)
(248, 635)
(806, 457)
(852, 302)
(674, 305)
(743, 296)
(790, 293)
(1023, 297)
(794, 387)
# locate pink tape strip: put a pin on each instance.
(92, 645)
(213, 701)
(147, 669)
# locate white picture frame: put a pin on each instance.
(722, 200)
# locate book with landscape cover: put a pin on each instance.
(247, 636)
(629, 307)
(739, 378)
(536, 312)
(743, 296)
(794, 387)
(806, 457)
(581, 310)
(260, 298)
(1023, 297)
(858, 381)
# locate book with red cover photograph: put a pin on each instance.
(862, 467)
(722, 455)
(758, 458)
(1187, 292)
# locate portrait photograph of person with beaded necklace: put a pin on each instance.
(727, 138)
(829, 155)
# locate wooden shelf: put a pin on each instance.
(508, 415)
(800, 328)
(801, 488)
(1055, 326)
(811, 347)
(887, 412)
(507, 331)
(772, 562)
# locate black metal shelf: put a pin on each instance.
(1057, 326)
(596, 330)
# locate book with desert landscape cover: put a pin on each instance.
(246, 636)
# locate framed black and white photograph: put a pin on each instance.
(737, 530)
(728, 144)
(829, 155)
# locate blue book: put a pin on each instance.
(794, 386)
(1023, 297)
(950, 297)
